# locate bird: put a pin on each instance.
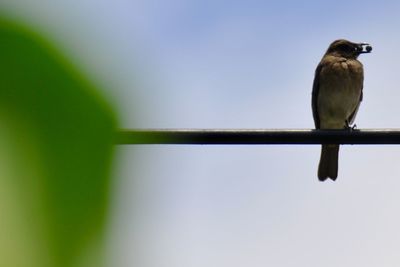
(336, 96)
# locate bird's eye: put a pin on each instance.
(347, 48)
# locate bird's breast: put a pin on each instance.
(340, 88)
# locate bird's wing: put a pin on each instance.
(314, 98)
(353, 115)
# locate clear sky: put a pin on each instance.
(237, 64)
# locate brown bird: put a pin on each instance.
(336, 96)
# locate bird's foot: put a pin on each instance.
(350, 127)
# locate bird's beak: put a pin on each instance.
(363, 48)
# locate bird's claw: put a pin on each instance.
(350, 127)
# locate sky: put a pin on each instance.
(236, 64)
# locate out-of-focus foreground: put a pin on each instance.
(56, 136)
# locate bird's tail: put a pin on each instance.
(328, 164)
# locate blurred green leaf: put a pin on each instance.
(56, 136)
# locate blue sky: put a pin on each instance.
(237, 64)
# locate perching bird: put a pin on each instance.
(336, 96)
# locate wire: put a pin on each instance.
(257, 136)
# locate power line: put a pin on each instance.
(257, 136)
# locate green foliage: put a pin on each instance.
(56, 136)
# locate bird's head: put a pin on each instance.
(348, 49)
